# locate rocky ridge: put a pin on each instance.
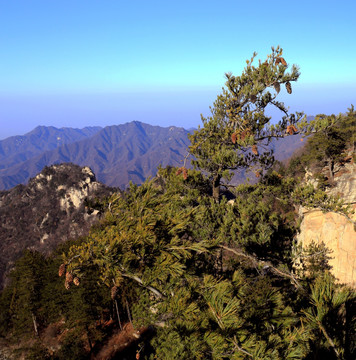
(56, 205)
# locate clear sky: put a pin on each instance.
(101, 62)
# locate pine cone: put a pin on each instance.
(288, 87)
(61, 270)
(76, 281)
(179, 171)
(233, 138)
(254, 149)
(69, 277)
(66, 285)
(114, 292)
(185, 173)
(278, 60)
(283, 61)
(291, 129)
(277, 87)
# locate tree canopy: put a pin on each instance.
(237, 133)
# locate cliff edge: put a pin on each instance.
(336, 231)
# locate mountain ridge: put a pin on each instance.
(117, 154)
(135, 148)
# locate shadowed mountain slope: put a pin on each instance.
(20, 148)
(117, 154)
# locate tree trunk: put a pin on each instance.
(118, 314)
(216, 187)
(34, 324)
(128, 311)
(331, 171)
(88, 337)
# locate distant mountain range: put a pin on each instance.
(117, 154)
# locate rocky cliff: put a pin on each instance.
(336, 231)
(56, 205)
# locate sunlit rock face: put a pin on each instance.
(345, 186)
(338, 235)
(336, 231)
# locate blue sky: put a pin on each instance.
(101, 62)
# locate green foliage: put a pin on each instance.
(38, 352)
(73, 348)
(27, 281)
(215, 279)
(313, 260)
(163, 246)
(310, 197)
(328, 318)
(333, 136)
(236, 134)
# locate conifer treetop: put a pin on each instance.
(237, 133)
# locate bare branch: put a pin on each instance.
(152, 289)
(256, 262)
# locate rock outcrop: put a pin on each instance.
(338, 234)
(56, 205)
(336, 231)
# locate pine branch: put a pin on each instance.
(240, 349)
(256, 262)
(151, 288)
(328, 338)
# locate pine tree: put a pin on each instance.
(237, 134)
(27, 280)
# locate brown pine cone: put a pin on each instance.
(254, 149)
(283, 61)
(277, 87)
(66, 285)
(76, 281)
(61, 270)
(69, 277)
(253, 98)
(291, 129)
(114, 292)
(288, 87)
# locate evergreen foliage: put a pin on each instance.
(237, 134)
(327, 146)
(207, 279)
